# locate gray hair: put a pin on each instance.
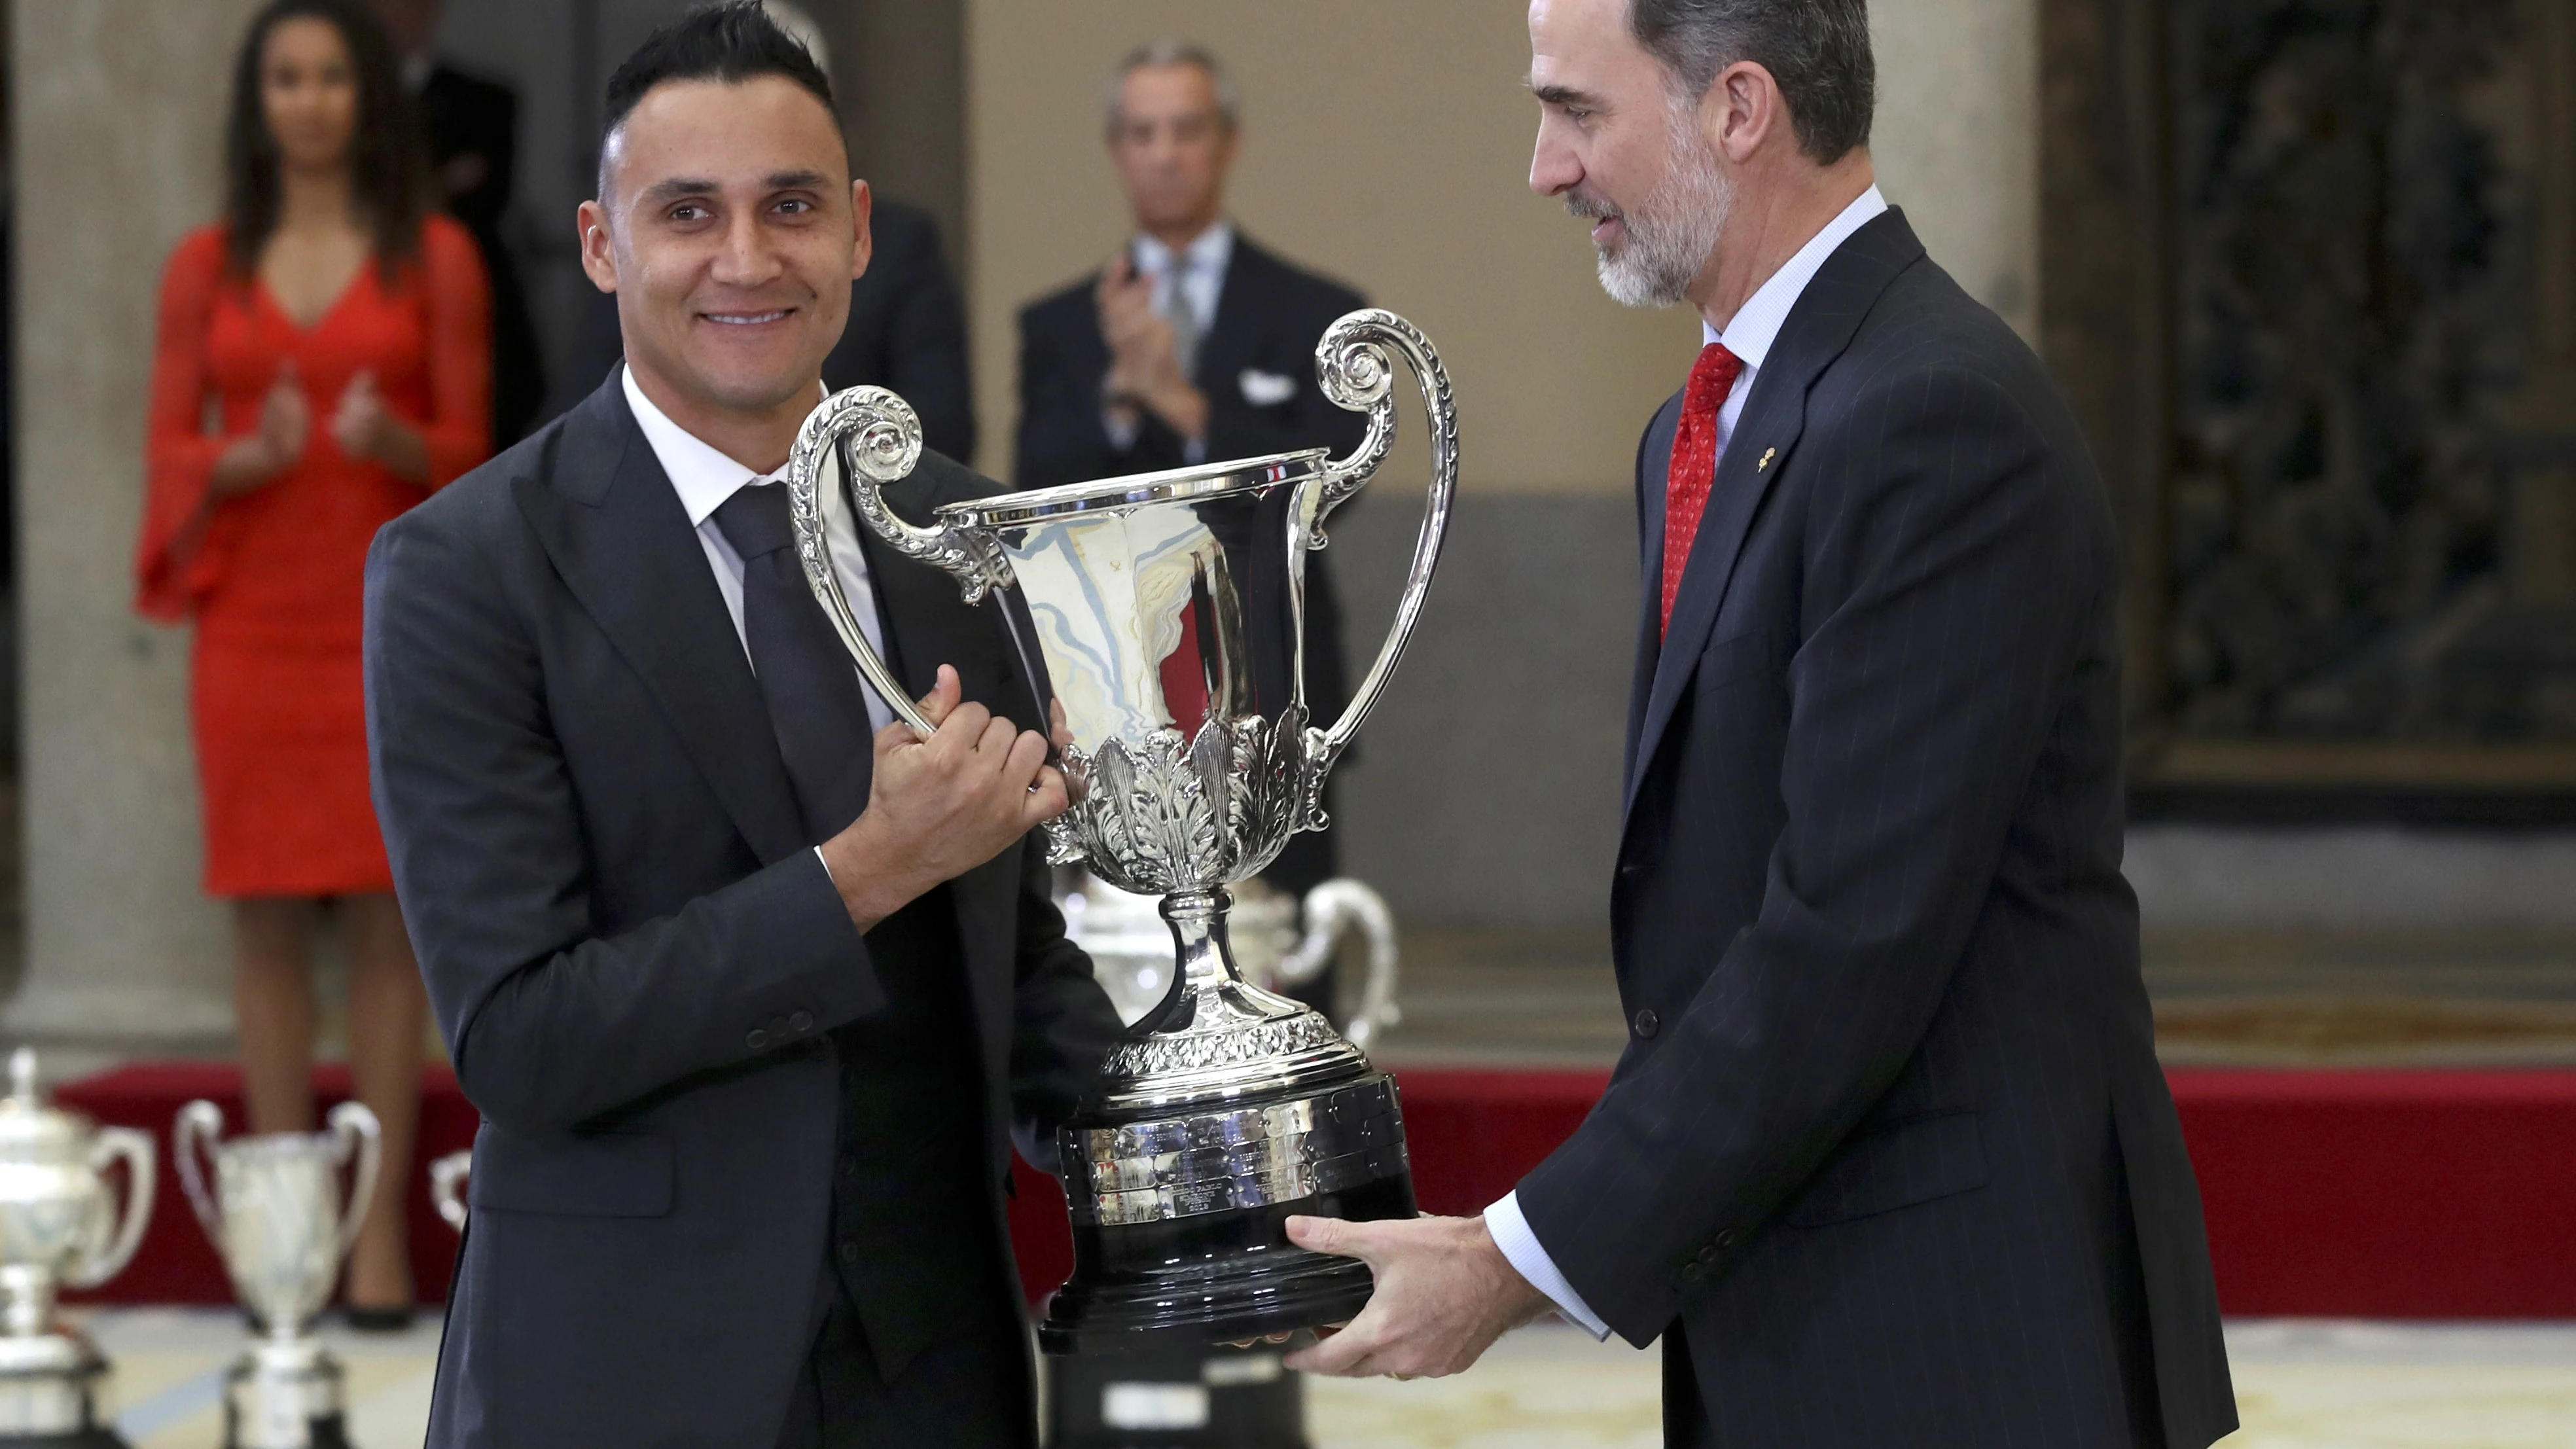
(1167, 51)
(1817, 50)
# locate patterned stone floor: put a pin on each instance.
(2300, 1385)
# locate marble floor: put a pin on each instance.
(2299, 1385)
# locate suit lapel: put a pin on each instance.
(1226, 347)
(614, 527)
(1820, 327)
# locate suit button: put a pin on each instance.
(758, 1040)
(849, 1165)
(1694, 1272)
(1728, 1238)
(1631, 869)
(801, 1023)
(1648, 1023)
(849, 1253)
(1707, 1257)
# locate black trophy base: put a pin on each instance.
(1184, 1398)
(94, 1437)
(1215, 1278)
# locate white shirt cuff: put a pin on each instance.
(1512, 1234)
(1121, 431)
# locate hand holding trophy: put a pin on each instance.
(1150, 610)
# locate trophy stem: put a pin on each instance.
(1197, 919)
(30, 1300)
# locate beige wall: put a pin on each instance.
(1389, 144)
(122, 947)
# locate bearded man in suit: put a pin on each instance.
(1888, 1159)
(750, 1007)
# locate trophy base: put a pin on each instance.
(284, 1394)
(48, 1392)
(1184, 1398)
(1216, 1278)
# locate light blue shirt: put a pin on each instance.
(1749, 335)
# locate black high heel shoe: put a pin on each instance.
(388, 1318)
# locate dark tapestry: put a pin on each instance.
(2353, 441)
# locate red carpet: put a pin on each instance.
(2387, 1194)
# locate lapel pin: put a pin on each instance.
(1767, 455)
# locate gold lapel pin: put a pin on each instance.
(1767, 455)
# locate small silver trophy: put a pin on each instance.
(1162, 618)
(58, 1229)
(447, 1178)
(1278, 941)
(277, 1219)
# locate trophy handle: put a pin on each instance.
(446, 1187)
(879, 438)
(357, 1130)
(199, 1127)
(1333, 910)
(136, 1148)
(1353, 365)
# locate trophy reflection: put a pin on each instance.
(277, 1219)
(1162, 618)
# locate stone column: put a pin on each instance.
(118, 127)
(1957, 142)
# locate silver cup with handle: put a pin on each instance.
(278, 1219)
(59, 1228)
(1162, 619)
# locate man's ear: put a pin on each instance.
(862, 207)
(1741, 110)
(598, 252)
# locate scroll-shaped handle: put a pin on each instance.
(447, 1187)
(1334, 910)
(108, 1256)
(879, 439)
(199, 1128)
(1353, 364)
(358, 1131)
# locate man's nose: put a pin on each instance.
(746, 258)
(1553, 167)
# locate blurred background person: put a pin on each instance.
(471, 128)
(323, 362)
(907, 327)
(1191, 344)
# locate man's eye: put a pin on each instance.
(689, 211)
(795, 205)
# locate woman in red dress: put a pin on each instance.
(323, 363)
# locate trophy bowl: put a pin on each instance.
(59, 1228)
(1161, 618)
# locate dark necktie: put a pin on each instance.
(1694, 466)
(817, 707)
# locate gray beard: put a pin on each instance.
(1673, 231)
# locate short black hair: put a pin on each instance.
(1817, 50)
(731, 42)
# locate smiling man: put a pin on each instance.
(1888, 1160)
(749, 984)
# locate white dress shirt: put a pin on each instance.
(1202, 282)
(705, 478)
(1749, 335)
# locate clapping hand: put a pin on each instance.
(274, 444)
(359, 426)
(1144, 362)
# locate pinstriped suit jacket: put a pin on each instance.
(1889, 1159)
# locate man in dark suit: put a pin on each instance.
(907, 331)
(749, 1009)
(1192, 345)
(1888, 1159)
(471, 126)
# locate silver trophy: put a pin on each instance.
(59, 1228)
(1278, 940)
(277, 1218)
(447, 1177)
(1162, 618)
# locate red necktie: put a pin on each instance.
(1694, 467)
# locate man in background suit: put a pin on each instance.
(471, 127)
(1192, 345)
(1888, 1160)
(749, 1009)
